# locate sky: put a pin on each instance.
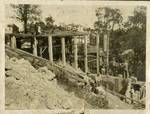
(77, 14)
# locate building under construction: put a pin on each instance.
(68, 55)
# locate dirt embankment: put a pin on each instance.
(30, 88)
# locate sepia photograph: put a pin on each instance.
(75, 57)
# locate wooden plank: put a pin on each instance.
(68, 33)
(57, 34)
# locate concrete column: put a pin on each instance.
(75, 53)
(97, 49)
(13, 42)
(40, 52)
(107, 54)
(63, 51)
(50, 48)
(35, 47)
(85, 54)
(105, 42)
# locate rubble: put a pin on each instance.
(30, 88)
(78, 70)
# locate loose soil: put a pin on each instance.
(30, 88)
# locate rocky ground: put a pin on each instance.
(30, 88)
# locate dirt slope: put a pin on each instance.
(30, 88)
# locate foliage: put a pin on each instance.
(123, 35)
(138, 19)
(107, 19)
(49, 23)
(26, 14)
(131, 36)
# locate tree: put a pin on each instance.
(138, 19)
(49, 23)
(107, 18)
(26, 14)
(136, 31)
(132, 36)
(49, 20)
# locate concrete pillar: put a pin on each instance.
(85, 54)
(35, 47)
(40, 52)
(75, 53)
(107, 54)
(50, 48)
(97, 49)
(13, 42)
(105, 42)
(63, 51)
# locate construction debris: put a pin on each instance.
(30, 88)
